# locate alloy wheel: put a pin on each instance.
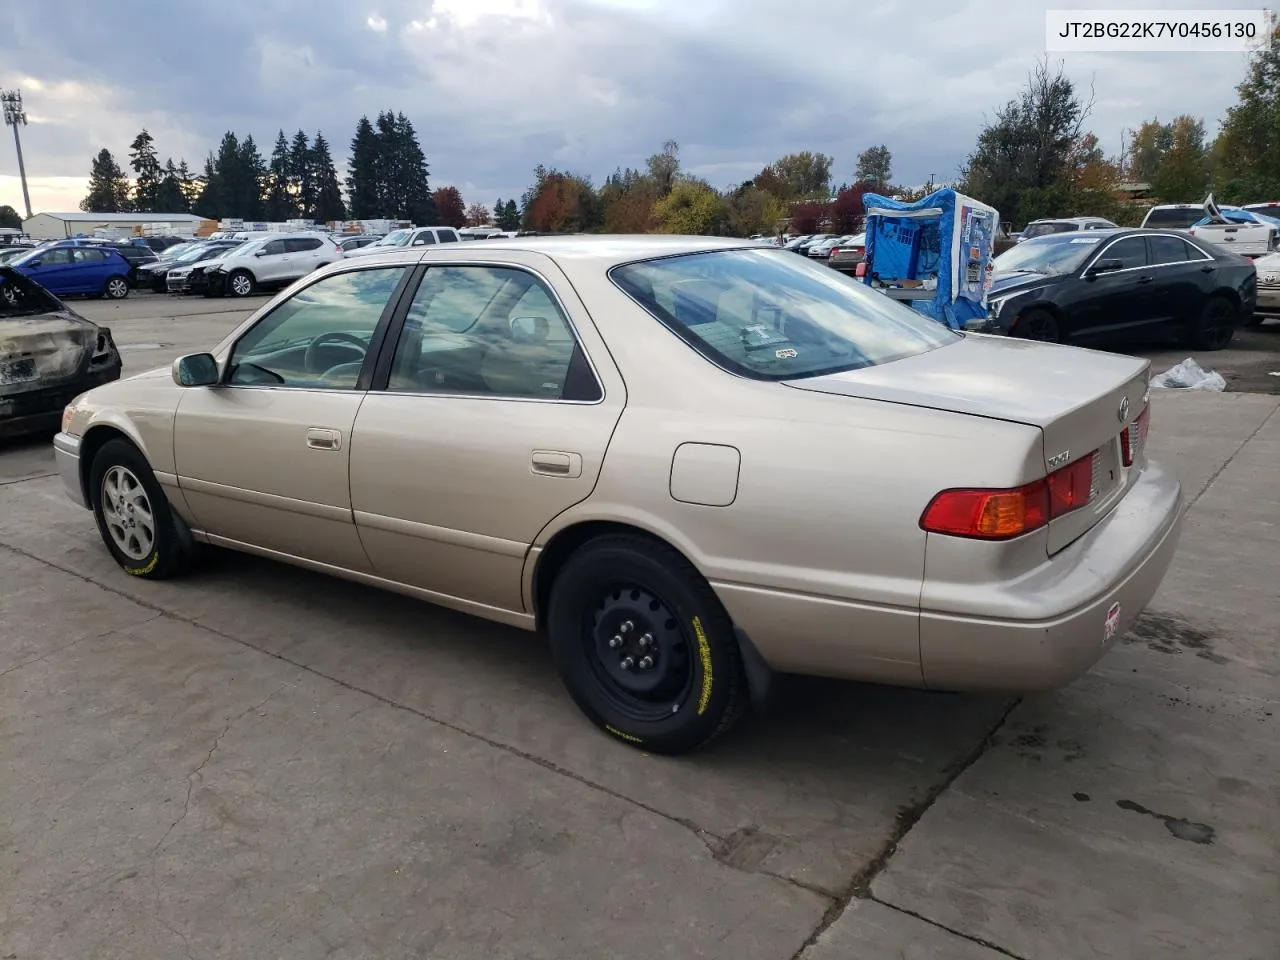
(117, 288)
(241, 285)
(128, 514)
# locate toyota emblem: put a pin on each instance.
(1124, 409)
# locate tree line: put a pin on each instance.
(1038, 159)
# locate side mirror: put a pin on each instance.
(195, 370)
(34, 263)
(260, 253)
(1105, 266)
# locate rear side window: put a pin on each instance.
(88, 255)
(1167, 250)
(448, 236)
(274, 247)
(770, 315)
(302, 244)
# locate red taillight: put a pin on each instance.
(1134, 437)
(1004, 514)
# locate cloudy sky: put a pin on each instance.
(497, 86)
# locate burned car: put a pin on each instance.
(49, 355)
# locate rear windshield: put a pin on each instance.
(770, 315)
(1177, 218)
(1044, 229)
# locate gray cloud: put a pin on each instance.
(581, 84)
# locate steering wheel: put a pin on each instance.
(312, 356)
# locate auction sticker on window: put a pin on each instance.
(1112, 623)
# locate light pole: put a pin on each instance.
(15, 116)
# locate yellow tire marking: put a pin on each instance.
(143, 571)
(625, 736)
(704, 654)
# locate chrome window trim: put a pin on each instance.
(560, 305)
(1150, 266)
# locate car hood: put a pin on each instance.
(1017, 281)
(1070, 393)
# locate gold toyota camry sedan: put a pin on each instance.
(693, 463)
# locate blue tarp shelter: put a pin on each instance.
(941, 246)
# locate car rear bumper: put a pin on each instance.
(66, 451)
(1090, 592)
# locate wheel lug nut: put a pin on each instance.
(627, 663)
(646, 640)
(615, 642)
(646, 663)
(628, 626)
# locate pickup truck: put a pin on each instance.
(1241, 231)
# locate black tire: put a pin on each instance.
(698, 688)
(1038, 324)
(169, 554)
(116, 288)
(237, 286)
(1216, 325)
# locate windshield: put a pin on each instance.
(181, 249)
(397, 238)
(769, 315)
(1052, 255)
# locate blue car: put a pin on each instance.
(95, 271)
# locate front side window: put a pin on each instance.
(1131, 252)
(769, 316)
(425, 237)
(489, 331)
(319, 337)
(49, 258)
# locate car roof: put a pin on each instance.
(609, 249)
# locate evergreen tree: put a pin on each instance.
(108, 187)
(301, 177)
(191, 185)
(510, 217)
(169, 195)
(328, 194)
(210, 202)
(363, 172)
(280, 203)
(146, 166)
(253, 174)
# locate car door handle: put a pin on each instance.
(1145, 279)
(556, 463)
(322, 438)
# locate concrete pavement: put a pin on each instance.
(259, 761)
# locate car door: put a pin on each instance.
(1179, 272)
(272, 263)
(304, 255)
(263, 457)
(53, 270)
(1116, 302)
(90, 269)
(489, 418)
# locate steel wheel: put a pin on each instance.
(637, 652)
(127, 512)
(117, 288)
(241, 284)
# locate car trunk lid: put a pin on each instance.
(1082, 401)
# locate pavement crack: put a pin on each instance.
(951, 930)
(38, 476)
(1244, 443)
(860, 886)
(71, 643)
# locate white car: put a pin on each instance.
(1268, 268)
(274, 261)
(1241, 231)
(412, 237)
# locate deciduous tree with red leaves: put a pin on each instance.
(807, 218)
(450, 208)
